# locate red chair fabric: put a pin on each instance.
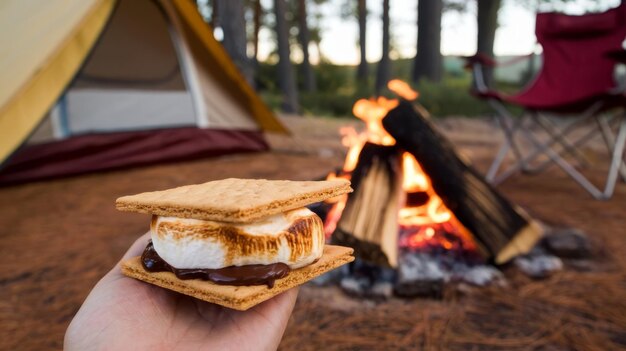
(576, 70)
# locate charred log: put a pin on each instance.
(500, 230)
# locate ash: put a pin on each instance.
(538, 263)
(419, 274)
(424, 266)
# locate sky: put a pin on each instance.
(515, 35)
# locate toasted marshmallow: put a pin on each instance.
(295, 238)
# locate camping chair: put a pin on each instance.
(576, 78)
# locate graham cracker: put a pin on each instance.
(240, 297)
(233, 200)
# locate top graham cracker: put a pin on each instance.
(233, 200)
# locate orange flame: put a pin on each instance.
(372, 112)
(333, 216)
(414, 178)
(420, 220)
(354, 142)
(402, 89)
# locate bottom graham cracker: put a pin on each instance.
(240, 297)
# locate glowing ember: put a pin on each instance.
(433, 212)
(423, 225)
(448, 235)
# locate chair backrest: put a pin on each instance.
(575, 66)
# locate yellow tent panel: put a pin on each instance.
(116, 65)
(33, 78)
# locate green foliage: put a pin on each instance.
(451, 97)
(338, 90)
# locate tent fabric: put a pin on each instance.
(37, 66)
(133, 79)
(113, 68)
(98, 152)
(200, 35)
(93, 110)
(135, 50)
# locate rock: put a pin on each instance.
(354, 286)
(482, 275)
(538, 264)
(568, 243)
(331, 278)
(363, 279)
(419, 275)
(420, 266)
(382, 290)
(364, 288)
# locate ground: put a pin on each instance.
(59, 237)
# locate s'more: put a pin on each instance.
(235, 242)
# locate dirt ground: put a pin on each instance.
(59, 237)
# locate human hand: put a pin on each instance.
(122, 313)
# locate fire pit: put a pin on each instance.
(420, 215)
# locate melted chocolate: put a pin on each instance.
(255, 274)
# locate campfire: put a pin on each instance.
(415, 199)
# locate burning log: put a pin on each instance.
(369, 222)
(501, 231)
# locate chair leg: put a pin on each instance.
(609, 139)
(507, 144)
(617, 160)
(575, 143)
(569, 169)
(497, 161)
(618, 163)
(509, 127)
(560, 139)
(540, 148)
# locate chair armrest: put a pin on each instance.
(477, 64)
(486, 60)
(481, 59)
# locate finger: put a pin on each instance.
(280, 305)
(288, 301)
(279, 308)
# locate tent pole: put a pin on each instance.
(187, 68)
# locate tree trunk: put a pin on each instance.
(428, 61)
(362, 71)
(383, 72)
(285, 70)
(305, 38)
(235, 41)
(215, 14)
(258, 10)
(487, 24)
